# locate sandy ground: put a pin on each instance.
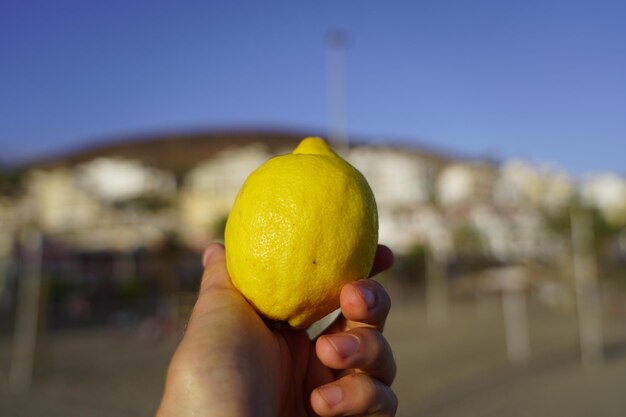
(459, 369)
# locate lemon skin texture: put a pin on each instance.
(302, 226)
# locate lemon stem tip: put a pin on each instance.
(313, 146)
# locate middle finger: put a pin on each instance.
(364, 303)
(362, 348)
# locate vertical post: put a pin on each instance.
(586, 289)
(336, 64)
(437, 303)
(29, 319)
(6, 259)
(515, 325)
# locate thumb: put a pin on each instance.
(216, 288)
(215, 274)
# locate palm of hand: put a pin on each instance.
(231, 363)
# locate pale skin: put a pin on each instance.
(231, 363)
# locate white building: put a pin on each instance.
(455, 185)
(65, 208)
(59, 204)
(209, 189)
(524, 184)
(402, 183)
(607, 193)
(520, 183)
(115, 179)
(560, 190)
(518, 235)
(398, 177)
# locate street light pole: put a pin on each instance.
(336, 88)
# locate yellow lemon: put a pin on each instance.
(303, 225)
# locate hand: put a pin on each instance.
(230, 363)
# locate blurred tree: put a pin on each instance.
(132, 290)
(219, 227)
(11, 182)
(605, 233)
(146, 203)
(410, 268)
(467, 241)
(471, 255)
(559, 222)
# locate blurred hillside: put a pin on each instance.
(177, 152)
(125, 221)
(140, 192)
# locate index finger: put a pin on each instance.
(365, 302)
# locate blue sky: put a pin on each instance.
(543, 80)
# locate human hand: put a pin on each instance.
(230, 363)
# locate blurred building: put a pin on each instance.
(513, 235)
(78, 207)
(455, 185)
(607, 193)
(185, 187)
(210, 188)
(59, 204)
(462, 183)
(398, 177)
(560, 191)
(520, 183)
(402, 181)
(116, 180)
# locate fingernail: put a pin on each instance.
(332, 394)
(344, 344)
(368, 296)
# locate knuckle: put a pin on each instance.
(372, 342)
(369, 396)
(368, 388)
(376, 397)
(380, 347)
(376, 355)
